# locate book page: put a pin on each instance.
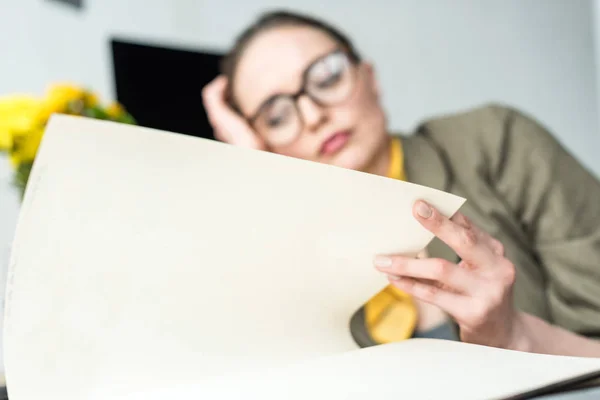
(145, 258)
(414, 369)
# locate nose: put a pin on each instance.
(312, 114)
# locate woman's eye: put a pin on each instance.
(278, 117)
(329, 72)
(333, 78)
(275, 121)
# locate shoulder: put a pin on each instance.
(484, 119)
(488, 127)
(479, 115)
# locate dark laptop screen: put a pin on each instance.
(162, 86)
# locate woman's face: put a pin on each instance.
(346, 129)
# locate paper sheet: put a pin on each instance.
(148, 258)
(415, 369)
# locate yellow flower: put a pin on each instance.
(26, 145)
(60, 97)
(91, 99)
(5, 137)
(18, 114)
(115, 110)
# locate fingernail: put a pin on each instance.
(383, 262)
(423, 210)
(394, 277)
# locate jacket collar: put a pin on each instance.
(424, 161)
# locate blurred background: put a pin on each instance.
(432, 56)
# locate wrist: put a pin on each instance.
(520, 339)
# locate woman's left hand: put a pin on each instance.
(477, 292)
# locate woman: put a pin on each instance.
(524, 274)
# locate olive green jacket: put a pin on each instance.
(527, 191)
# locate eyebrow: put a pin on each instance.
(269, 100)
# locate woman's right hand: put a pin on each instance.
(229, 127)
(476, 292)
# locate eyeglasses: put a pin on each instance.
(328, 81)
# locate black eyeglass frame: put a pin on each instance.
(304, 87)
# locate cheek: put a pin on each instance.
(302, 148)
(362, 110)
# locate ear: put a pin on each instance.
(371, 78)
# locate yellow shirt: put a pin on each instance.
(391, 315)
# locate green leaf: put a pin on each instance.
(95, 112)
(21, 176)
(125, 118)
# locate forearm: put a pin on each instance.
(537, 336)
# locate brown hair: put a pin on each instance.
(278, 19)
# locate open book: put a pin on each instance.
(149, 265)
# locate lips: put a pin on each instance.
(335, 143)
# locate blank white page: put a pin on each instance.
(147, 258)
(416, 369)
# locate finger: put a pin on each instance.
(460, 219)
(215, 88)
(463, 237)
(437, 270)
(219, 134)
(498, 247)
(453, 304)
(213, 95)
(484, 237)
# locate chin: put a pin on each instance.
(351, 157)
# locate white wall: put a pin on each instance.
(596, 26)
(431, 55)
(43, 42)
